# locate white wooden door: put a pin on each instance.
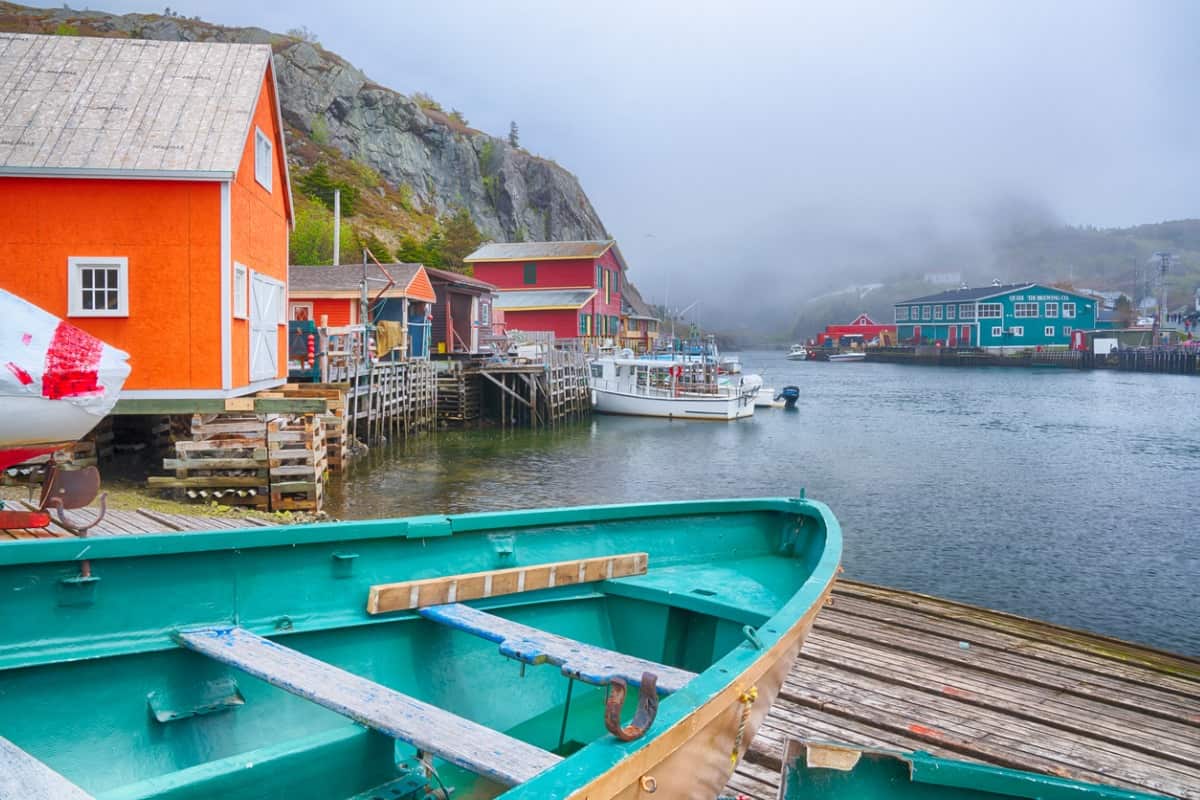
(266, 312)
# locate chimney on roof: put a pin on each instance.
(995, 281)
(963, 287)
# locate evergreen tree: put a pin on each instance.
(460, 240)
(514, 138)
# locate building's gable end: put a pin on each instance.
(268, 83)
(419, 287)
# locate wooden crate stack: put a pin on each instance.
(225, 460)
(337, 440)
(298, 459)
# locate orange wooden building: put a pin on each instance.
(144, 197)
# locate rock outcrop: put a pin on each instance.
(510, 193)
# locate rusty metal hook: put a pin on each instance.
(647, 708)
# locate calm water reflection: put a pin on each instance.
(1068, 496)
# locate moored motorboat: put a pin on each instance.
(822, 771)
(652, 387)
(788, 396)
(847, 357)
(798, 352)
(400, 658)
(57, 383)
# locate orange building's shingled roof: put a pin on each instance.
(97, 106)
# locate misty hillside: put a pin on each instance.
(1117, 259)
(411, 173)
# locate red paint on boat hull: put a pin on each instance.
(24, 377)
(72, 364)
(10, 456)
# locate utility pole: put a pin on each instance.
(337, 227)
(1164, 265)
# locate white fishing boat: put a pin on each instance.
(650, 387)
(57, 383)
(798, 353)
(731, 365)
(766, 398)
(844, 357)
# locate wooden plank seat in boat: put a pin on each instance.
(23, 777)
(585, 662)
(460, 741)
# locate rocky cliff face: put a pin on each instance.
(511, 194)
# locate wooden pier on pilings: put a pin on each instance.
(1173, 360)
(387, 399)
(978, 357)
(537, 395)
(542, 391)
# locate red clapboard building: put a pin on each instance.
(572, 289)
(861, 327)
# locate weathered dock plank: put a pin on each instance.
(895, 669)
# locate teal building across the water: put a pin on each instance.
(1013, 315)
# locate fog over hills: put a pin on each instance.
(750, 156)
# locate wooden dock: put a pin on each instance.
(905, 671)
(899, 670)
(142, 520)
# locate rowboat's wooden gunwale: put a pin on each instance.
(783, 634)
(645, 761)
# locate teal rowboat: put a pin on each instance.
(597, 652)
(819, 771)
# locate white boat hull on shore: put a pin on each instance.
(57, 383)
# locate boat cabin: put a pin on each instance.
(144, 197)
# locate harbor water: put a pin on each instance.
(1068, 496)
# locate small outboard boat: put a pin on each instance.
(789, 395)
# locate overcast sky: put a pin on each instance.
(782, 136)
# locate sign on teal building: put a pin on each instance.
(1015, 315)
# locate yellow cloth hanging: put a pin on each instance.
(388, 336)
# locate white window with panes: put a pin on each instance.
(950, 311)
(1017, 330)
(1025, 310)
(1068, 310)
(937, 312)
(262, 158)
(241, 305)
(1051, 309)
(901, 313)
(1049, 330)
(997, 330)
(98, 286)
(966, 311)
(990, 311)
(1066, 330)
(926, 312)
